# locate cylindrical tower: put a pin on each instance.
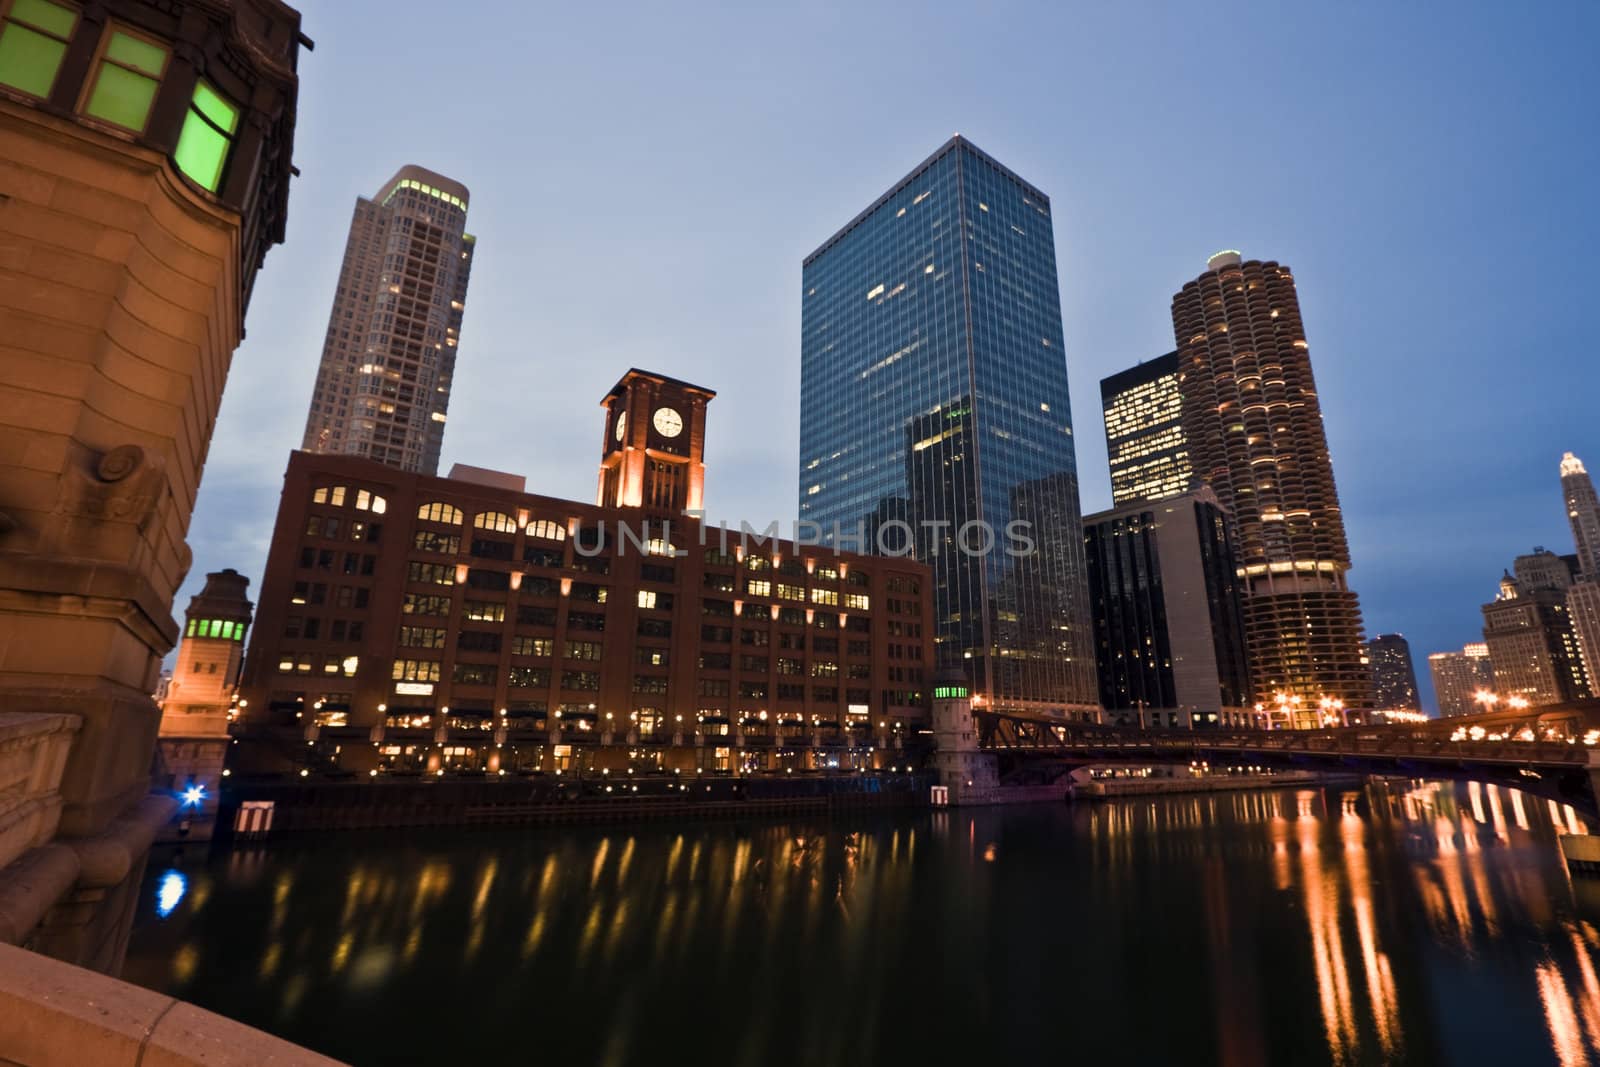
(1254, 424)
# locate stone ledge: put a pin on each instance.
(55, 1015)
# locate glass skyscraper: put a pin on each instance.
(934, 413)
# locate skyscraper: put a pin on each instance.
(1394, 678)
(1583, 511)
(1458, 676)
(1254, 425)
(1145, 443)
(1583, 598)
(383, 387)
(1169, 627)
(934, 391)
(1530, 636)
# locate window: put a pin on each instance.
(824, 596)
(859, 601)
(587, 650)
(755, 664)
(583, 620)
(416, 670)
(528, 615)
(528, 678)
(124, 85)
(422, 637)
(542, 557)
(204, 145)
(367, 501)
(498, 521)
(758, 638)
(650, 657)
(790, 666)
(534, 585)
(713, 687)
(720, 608)
(791, 592)
(432, 541)
(655, 628)
(431, 573)
(474, 674)
(589, 680)
(721, 583)
(795, 642)
(715, 661)
(33, 40)
(649, 598)
(758, 587)
(417, 604)
(478, 641)
(753, 690)
(649, 683)
(329, 494)
(656, 572)
(791, 692)
(825, 644)
(589, 592)
(824, 670)
(522, 645)
(481, 579)
(861, 648)
(547, 530)
(488, 548)
(440, 513)
(718, 558)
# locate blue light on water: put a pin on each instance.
(170, 892)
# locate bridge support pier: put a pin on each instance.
(971, 774)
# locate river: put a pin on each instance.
(1400, 922)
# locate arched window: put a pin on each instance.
(372, 502)
(329, 494)
(498, 521)
(546, 529)
(437, 512)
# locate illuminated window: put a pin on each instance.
(824, 596)
(416, 670)
(758, 587)
(498, 521)
(647, 598)
(791, 592)
(207, 136)
(329, 494)
(438, 513)
(548, 530)
(858, 601)
(124, 85)
(33, 40)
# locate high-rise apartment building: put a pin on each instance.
(934, 413)
(1255, 434)
(1530, 636)
(1394, 678)
(146, 151)
(1145, 442)
(1459, 676)
(1169, 625)
(383, 387)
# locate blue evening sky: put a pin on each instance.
(645, 182)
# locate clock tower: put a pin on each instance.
(653, 456)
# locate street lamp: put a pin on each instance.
(1517, 703)
(1486, 699)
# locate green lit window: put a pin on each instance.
(207, 136)
(33, 40)
(124, 86)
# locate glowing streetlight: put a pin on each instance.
(1486, 699)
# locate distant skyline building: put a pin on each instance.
(1583, 512)
(388, 361)
(1529, 633)
(1394, 677)
(1583, 597)
(1458, 676)
(1145, 443)
(1255, 433)
(934, 390)
(1169, 625)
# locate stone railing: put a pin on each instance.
(33, 753)
(53, 1014)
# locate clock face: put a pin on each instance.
(622, 424)
(668, 423)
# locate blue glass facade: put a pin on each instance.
(934, 391)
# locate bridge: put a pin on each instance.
(1552, 750)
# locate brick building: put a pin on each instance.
(418, 624)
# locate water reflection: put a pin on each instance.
(1414, 923)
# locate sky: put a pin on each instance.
(646, 180)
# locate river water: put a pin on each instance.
(1399, 922)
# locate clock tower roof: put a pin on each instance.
(635, 374)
